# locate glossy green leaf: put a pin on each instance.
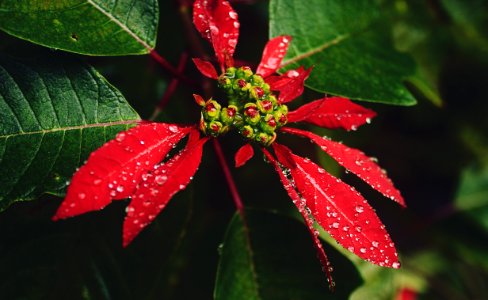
(349, 44)
(269, 256)
(93, 27)
(53, 113)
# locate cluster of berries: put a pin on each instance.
(252, 109)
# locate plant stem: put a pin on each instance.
(170, 90)
(168, 67)
(228, 177)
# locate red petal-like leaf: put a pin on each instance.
(217, 22)
(113, 171)
(290, 85)
(343, 212)
(244, 154)
(158, 187)
(334, 112)
(299, 203)
(273, 54)
(356, 162)
(206, 68)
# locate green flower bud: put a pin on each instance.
(251, 114)
(227, 115)
(211, 110)
(230, 72)
(265, 106)
(256, 93)
(265, 139)
(214, 128)
(268, 124)
(266, 88)
(257, 80)
(247, 131)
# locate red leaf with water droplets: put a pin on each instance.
(217, 21)
(113, 171)
(290, 85)
(334, 112)
(273, 54)
(244, 154)
(342, 212)
(356, 162)
(206, 68)
(295, 197)
(158, 187)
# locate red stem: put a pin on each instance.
(170, 90)
(168, 67)
(228, 177)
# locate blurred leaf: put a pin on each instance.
(269, 256)
(472, 17)
(349, 44)
(92, 27)
(53, 114)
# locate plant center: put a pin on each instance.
(252, 108)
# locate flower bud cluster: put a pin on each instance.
(253, 110)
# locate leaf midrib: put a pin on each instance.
(120, 24)
(84, 126)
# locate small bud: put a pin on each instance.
(247, 131)
(273, 99)
(199, 100)
(257, 93)
(251, 113)
(268, 124)
(280, 118)
(215, 128)
(241, 83)
(257, 80)
(265, 106)
(266, 88)
(224, 82)
(244, 72)
(230, 72)
(266, 139)
(211, 110)
(228, 114)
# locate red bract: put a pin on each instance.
(133, 165)
(336, 206)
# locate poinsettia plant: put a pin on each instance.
(139, 163)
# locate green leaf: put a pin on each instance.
(53, 114)
(269, 256)
(92, 27)
(349, 44)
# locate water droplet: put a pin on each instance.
(161, 179)
(345, 228)
(113, 193)
(237, 25)
(120, 189)
(81, 196)
(233, 15)
(368, 120)
(375, 244)
(335, 225)
(142, 142)
(396, 265)
(120, 137)
(359, 209)
(97, 181)
(173, 128)
(351, 249)
(362, 250)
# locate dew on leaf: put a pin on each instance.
(81, 196)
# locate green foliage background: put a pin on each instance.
(436, 152)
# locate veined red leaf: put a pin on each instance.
(244, 154)
(217, 21)
(273, 54)
(333, 112)
(299, 203)
(343, 212)
(158, 187)
(290, 85)
(206, 68)
(113, 171)
(356, 162)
